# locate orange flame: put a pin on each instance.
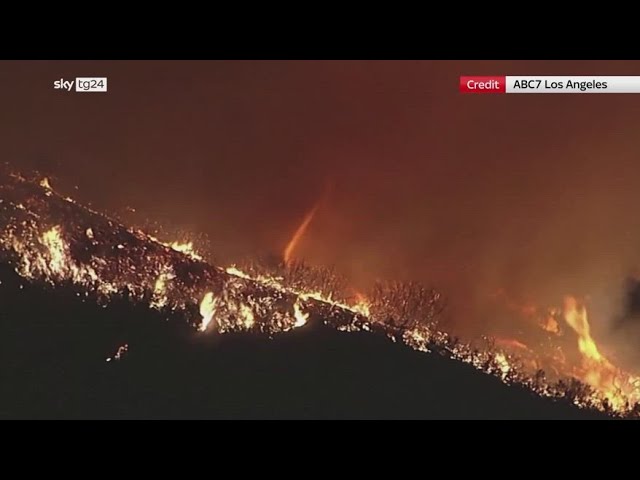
(300, 316)
(576, 317)
(599, 372)
(549, 324)
(299, 233)
(207, 310)
(359, 297)
(186, 248)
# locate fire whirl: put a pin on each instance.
(46, 237)
(299, 233)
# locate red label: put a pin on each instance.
(483, 84)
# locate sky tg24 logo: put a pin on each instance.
(82, 84)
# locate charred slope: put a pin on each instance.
(54, 344)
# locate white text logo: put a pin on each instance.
(82, 84)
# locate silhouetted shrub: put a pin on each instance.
(300, 276)
(405, 305)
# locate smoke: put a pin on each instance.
(535, 194)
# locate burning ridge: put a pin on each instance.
(46, 237)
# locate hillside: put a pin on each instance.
(54, 347)
(103, 320)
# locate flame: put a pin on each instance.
(207, 310)
(360, 297)
(44, 183)
(503, 365)
(361, 304)
(235, 271)
(52, 239)
(576, 316)
(360, 308)
(550, 324)
(247, 315)
(160, 298)
(299, 233)
(300, 316)
(599, 372)
(186, 248)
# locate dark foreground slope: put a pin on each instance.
(53, 348)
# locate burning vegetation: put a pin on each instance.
(46, 237)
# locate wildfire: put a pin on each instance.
(598, 370)
(186, 248)
(47, 237)
(503, 365)
(160, 298)
(207, 310)
(52, 239)
(360, 297)
(301, 317)
(576, 317)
